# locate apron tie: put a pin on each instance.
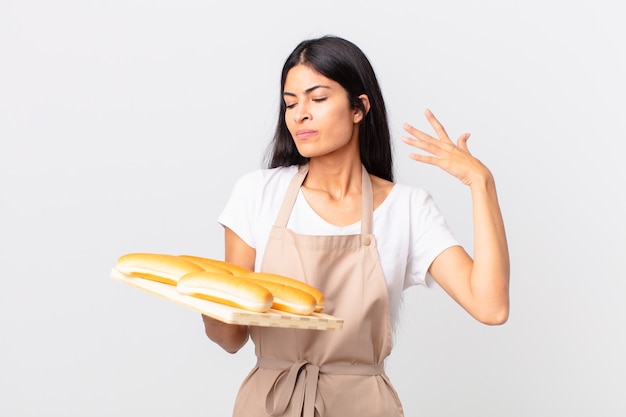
(300, 385)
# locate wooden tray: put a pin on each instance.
(229, 314)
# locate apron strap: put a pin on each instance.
(300, 385)
(290, 197)
(367, 200)
(367, 203)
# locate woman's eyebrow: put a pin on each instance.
(308, 90)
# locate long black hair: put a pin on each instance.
(341, 61)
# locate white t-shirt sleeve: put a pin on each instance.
(243, 206)
(253, 205)
(430, 235)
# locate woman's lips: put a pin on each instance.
(305, 133)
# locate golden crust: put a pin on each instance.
(206, 264)
(226, 289)
(234, 269)
(155, 266)
(289, 299)
(291, 282)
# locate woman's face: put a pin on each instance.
(318, 113)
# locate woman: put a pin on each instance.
(326, 211)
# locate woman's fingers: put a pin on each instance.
(437, 126)
(428, 143)
(427, 159)
(416, 132)
(421, 140)
(440, 131)
(452, 158)
(462, 142)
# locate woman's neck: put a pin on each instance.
(337, 179)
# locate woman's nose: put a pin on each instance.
(301, 114)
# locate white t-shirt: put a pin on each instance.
(410, 230)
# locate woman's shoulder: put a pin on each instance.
(411, 191)
(263, 177)
(387, 192)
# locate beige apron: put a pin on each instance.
(325, 373)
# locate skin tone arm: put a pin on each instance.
(479, 285)
(231, 337)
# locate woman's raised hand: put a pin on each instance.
(454, 159)
(480, 285)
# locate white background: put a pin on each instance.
(123, 125)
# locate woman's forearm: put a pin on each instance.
(230, 337)
(489, 278)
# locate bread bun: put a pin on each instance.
(206, 264)
(155, 267)
(226, 289)
(289, 299)
(234, 269)
(290, 282)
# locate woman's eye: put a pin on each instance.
(290, 105)
(319, 99)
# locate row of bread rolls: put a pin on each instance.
(224, 282)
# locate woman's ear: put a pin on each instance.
(365, 104)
